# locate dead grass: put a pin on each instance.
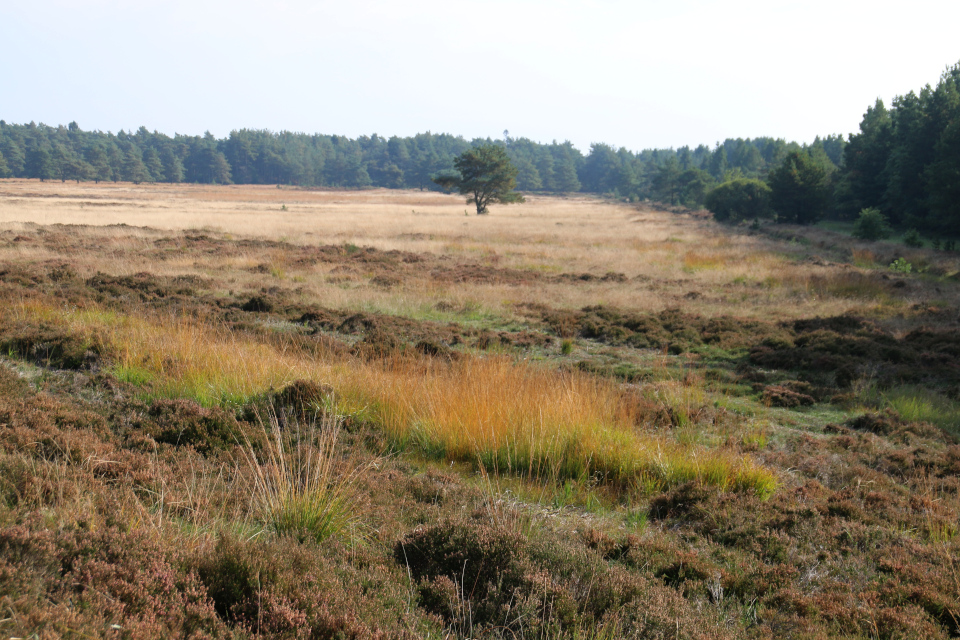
(666, 259)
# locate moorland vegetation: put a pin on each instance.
(231, 410)
(238, 411)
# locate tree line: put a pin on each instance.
(902, 168)
(677, 176)
(904, 163)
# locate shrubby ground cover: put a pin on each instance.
(729, 434)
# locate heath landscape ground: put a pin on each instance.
(246, 411)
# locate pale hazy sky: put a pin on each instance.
(634, 74)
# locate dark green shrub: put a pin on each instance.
(485, 564)
(301, 399)
(871, 225)
(738, 200)
(183, 422)
(50, 346)
(799, 189)
(912, 239)
(260, 303)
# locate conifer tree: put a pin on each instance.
(799, 189)
(486, 175)
(134, 170)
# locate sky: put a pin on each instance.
(640, 74)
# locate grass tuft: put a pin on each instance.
(299, 489)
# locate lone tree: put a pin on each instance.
(486, 174)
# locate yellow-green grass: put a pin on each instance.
(493, 411)
(298, 487)
(918, 404)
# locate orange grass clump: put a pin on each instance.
(492, 411)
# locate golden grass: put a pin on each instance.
(493, 411)
(665, 256)
(849, 284)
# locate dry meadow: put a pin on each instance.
(247, 411)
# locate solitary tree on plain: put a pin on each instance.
(485, 174)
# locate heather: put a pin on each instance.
(653, 428)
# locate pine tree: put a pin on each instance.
(14, 156)
(39, 163)
(486, 175)
(99, 163)
(152, 162)
(545, 169)
(528, 178)
(565, 168)
(718, 163)
(64, 162)
(799, 189)
(134, 170)
(172, 165)
(943, 179)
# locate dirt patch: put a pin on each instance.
(483, 274)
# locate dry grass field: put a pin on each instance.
(245, 411)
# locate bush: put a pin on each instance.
(738, 200)
(871, 225)
(900, 265)
(49, 345)
(486, 564)
(183, 422)
(912, 239)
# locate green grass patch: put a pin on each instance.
(131, 374)
(917, 404)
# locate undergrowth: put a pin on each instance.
(521, 497)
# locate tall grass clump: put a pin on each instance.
(694, 261)
(299, 489)
(863, 258)
(492, 411)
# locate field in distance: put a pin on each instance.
(246, 411)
